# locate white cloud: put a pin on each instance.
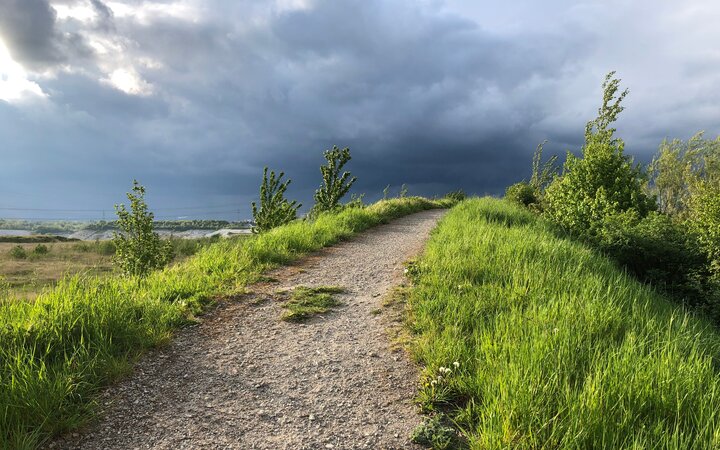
(128, 81)
(14, 84)
(83, 12)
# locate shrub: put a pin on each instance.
(334, 183)
(663, 252)
(138, 249)
(521, 193)
(677, 168)
(532, 193)
(275, 210)
(41, 249)
(601, 183)
(18, 252)
(704, 219)
(106, 248)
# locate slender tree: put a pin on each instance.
(138, 248)
(275, 209)
(335, 183)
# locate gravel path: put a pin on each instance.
(243, 379)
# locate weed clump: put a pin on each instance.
(436, 432)
(306, 302)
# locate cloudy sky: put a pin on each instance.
(194, 97)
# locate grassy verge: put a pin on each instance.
(555, 346)
(56, 352)
(29, 267)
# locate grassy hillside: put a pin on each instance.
(556, 347)
(56, 352)
(29, 265)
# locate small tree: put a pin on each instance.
(335, 185)
(275, 209)
(138, 249)
(604, 181)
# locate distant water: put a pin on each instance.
(15, 233)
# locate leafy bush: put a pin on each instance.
(601, 183)
(521, 193)
(138, 249)
(41, 249)
(18, 252)
(663, 252)
(532, 193)
(275, 210)
(704, 219)
(678, 167)
(334, 183)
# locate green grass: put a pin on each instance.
(556, 347)
(306, 302)
(59, 350)
(35, 267)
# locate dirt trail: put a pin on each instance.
(243, 379)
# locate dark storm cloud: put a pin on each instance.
(195, 97)
(28, 28)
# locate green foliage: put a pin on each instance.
(335, 183)
(558, 347)
(18, 252)
(138, 249)
(456, 196)
(275, 210)
(403, 190)
(356, 201)
(678, 167)
(386, 191)
(60, 349)
(436, 433)
(601, 183)
(521, 193)
(41, 249)
(542, 173)
(705, 219)
(663, 252)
